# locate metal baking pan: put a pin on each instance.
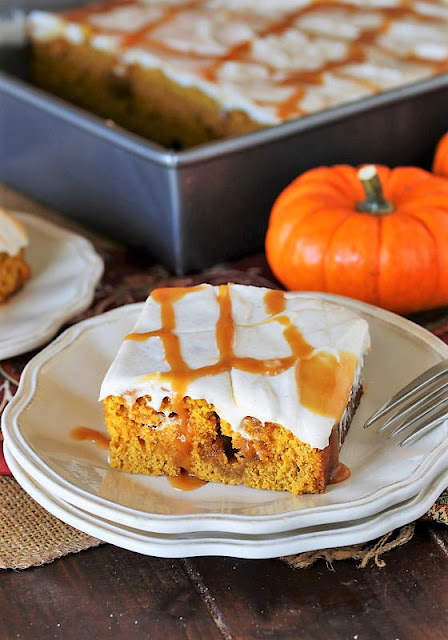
(194, 208)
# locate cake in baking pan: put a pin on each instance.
(14, 269)
(236, 384)
(183, 72)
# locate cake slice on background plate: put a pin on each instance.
(14, 269)
(236, 384)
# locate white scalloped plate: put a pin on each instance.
(220, 543)
(65, 270)
(59, 388)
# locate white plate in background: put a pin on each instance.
(65, 269)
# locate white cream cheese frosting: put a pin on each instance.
(256, 375)
(13, 236)
(273, 60)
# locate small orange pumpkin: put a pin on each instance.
(440, 164)
(333, 230)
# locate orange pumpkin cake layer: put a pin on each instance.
(236, 384)
(14, 269)
(182, 72)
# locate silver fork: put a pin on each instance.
(419, 407)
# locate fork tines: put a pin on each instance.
(419, 406)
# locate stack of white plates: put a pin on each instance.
(389, 486)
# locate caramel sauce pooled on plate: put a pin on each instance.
(186, 481)
(339, 473)
(85, 433)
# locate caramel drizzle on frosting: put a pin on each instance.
(324, 380)
(300, 80)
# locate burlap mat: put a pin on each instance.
(30, 536)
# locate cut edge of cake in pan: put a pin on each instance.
(236, 384)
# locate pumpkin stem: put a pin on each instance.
(375, 201)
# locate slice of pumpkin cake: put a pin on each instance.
(14, 269)
(236, 384)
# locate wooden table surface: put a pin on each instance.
(108, 592)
